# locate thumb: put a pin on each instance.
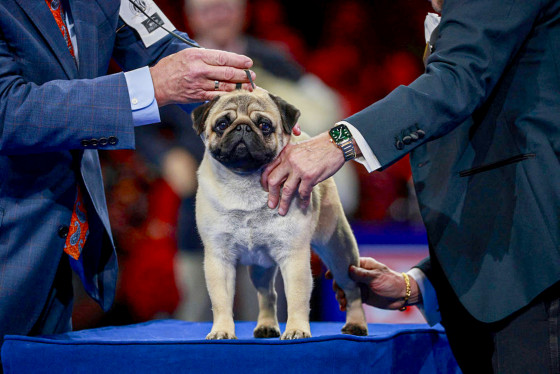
(362, 275)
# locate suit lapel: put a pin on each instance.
(41, 16)
(86, 35)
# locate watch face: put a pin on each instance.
(340, 133)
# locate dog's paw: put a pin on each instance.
(295, 334)
(355, 329)
(220, 335)
(264, 331)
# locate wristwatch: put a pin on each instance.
(342, 137)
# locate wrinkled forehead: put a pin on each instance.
(244, 102)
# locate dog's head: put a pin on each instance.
(245, 130)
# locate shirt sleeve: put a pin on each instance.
(429, 307)
(367, 159)
(142, 98)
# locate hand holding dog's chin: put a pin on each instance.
(298, 168)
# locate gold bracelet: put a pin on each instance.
(408, 291)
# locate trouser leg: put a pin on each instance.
(56, 316)
(525, 342)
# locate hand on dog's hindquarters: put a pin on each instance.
(188, 76)
(381, 286)
(298, 168)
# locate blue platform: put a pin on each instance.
(171, 346)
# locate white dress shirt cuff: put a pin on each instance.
(367, 159)
(429, 306)
(142, 98)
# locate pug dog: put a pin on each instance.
(243, 132)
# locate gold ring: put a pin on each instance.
(216, 85)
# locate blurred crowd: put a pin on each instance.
(330, 58)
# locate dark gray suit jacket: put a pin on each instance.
(483, 128)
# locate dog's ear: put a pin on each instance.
(200, 113)
(289, 113)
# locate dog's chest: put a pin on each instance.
(236, 224)
(256, 237)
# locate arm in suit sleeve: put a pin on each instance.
(60, 114)
(478, 38)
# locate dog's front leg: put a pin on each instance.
(267, 322)
(220, 279)
(298, 284)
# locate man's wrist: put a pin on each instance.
(415, 294)
(339, 153)
(357, 148)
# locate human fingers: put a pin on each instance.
(266, 172)
(223, 88)
(276, 178)
(360, 275)
(370, 263)
(228, 74)
(339, 294)
(223, 58)
(289, 190)
(220, 87)
(341, 298)
(305, 188)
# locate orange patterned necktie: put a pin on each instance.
(58, 13)
(79, 227)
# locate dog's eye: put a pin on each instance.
(266, 127)
(222, 125)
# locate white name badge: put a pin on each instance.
(147, 28)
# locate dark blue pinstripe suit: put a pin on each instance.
(48, 107)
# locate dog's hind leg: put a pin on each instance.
(220, 279)
(338, 255)
(335, 243)
(263, 280)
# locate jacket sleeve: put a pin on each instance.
(477, 41)
(429, 307)
(62, 114)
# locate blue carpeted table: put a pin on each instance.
(170, 346)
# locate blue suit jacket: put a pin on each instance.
(483, 126)
(50, 110)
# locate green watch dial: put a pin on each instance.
(340, 133)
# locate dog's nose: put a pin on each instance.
(243, 127)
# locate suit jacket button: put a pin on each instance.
(407, 140)
(103, 141)
(113, 140)
(421, 133)
(85, 143)
(94, 142)
(63, 231)
(399, 145)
